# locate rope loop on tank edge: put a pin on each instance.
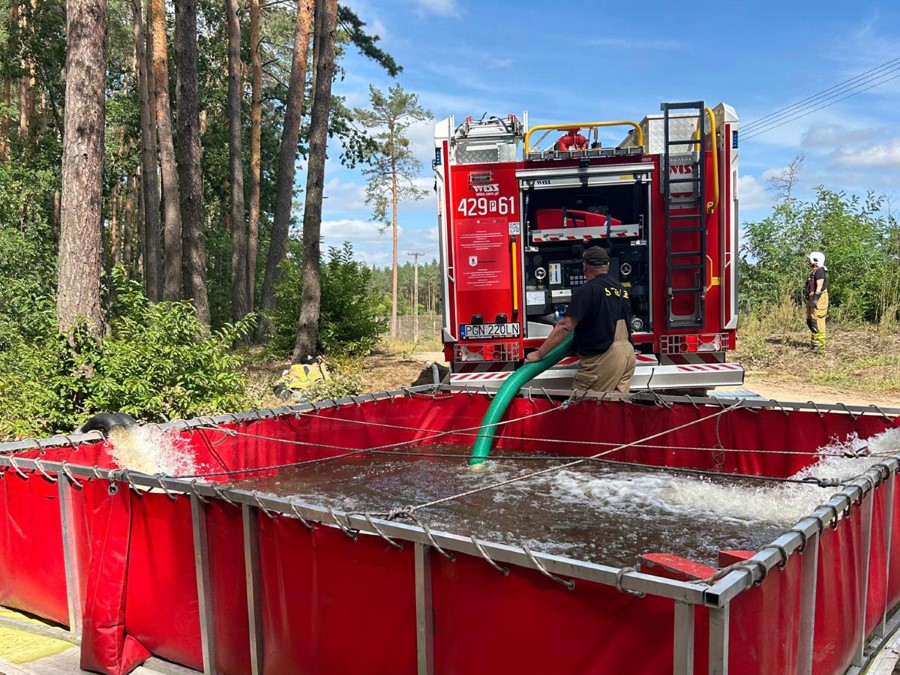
(847, 410)
(126, 476)
(568, 583)
(620, 577)
(12, 463)
(70, 442)
(750, 565)
(820, 521)
(804, 538)
(835, 514)
(881, 412)
(393, 542)
(162, 486)
(196, 493)
(47, 476)
(346, 529)
(67, 472)
(782, 552)
(503, 570)
(449, 555)
(36, 443)
(220, 493)
(299, 516)
(262, 507)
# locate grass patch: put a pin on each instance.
(774, 342)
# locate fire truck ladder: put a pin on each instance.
(685, 223)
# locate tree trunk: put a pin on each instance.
(26, 82)
(287, 162)
(4, 120)
(172, 274)
(152, 255)
(128, 229)
(308, 326)
(240, 304)
(255, 141)
(114, 236)
(188, 118)
(82, 167)
(394, 330)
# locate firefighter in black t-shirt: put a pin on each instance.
(600, 316)
(817, 299)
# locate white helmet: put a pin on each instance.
(818, 258)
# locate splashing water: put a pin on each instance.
(150, 450)
(600, 513)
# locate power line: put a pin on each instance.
(855, 81)
(759, 131)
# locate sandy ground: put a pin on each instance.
(817, 394)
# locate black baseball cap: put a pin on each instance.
(596, 256)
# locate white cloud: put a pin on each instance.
(834, 136)
(769, 174)
(356, 231)
(421, 139)
(344, 196)
(439, 7)
(752, 193)
(378, 28)
(882, 155)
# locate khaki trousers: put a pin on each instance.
(815, 319)
(610, 371)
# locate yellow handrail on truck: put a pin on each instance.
(584, 125)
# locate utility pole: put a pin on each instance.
(415, 256)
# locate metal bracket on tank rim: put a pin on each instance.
(349, 531)
(619, 579)
(503, 570)
(568, 583)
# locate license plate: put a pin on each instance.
(475, 331)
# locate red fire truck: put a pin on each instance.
(517, 205)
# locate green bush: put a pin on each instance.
(157, 362)
(350, 322)
(861, 245)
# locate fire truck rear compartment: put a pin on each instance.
(560, 223)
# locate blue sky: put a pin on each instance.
(574, 60)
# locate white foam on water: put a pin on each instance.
(645, 495)
(150, 450)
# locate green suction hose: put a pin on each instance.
(485, 439)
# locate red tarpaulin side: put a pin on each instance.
(88, 454)
(105, 647)
(581, 428)
(837, 596)
(485, 622)
(228, 584)
(764, 624)
(335, 606)
(613, 422)
(162, 606)
(333, 431)
(323, 592)
(877, 583)
(32, 570)
(894, 574)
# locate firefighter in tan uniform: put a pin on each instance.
(817, 299)
(600, 316)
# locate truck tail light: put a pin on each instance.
(489, 351)
(690, 344)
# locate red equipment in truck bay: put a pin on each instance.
(517, 206)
